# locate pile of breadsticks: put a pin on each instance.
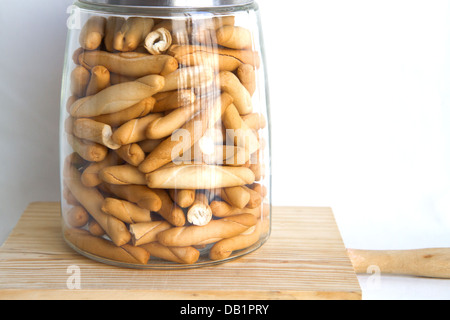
(164, 152)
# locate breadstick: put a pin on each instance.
(261, 189)
(92, 201)
(131, 153)
(182, 255)
(149, 145)
(243, 56)
(220, 62)
(236, 196)
(100, 79)
(132, 33)
(241, 97)
(94, 131)
(158, 41)
(90, 177)
(92, 33)
(116, 98)
(146, 232)
(246, 74)
(95, 229)
(68, 196)
(106, 249)
(234, 37)
(255, 121)
(144, 197)
(184, 198)
(79, 80)
(224, 248)
(170, 210)
(255, 198)
(130, 64)
(191, 77)
(122, 175)
(139, 110)
(76, 55)
(165, 126)
(68, 125)
(118, 78)
(199, 213)
(214, 231)
(89, 151)
(221, 209)
(77, 217)
(125, 211)
(199, 177)
(238, 131)
(134, 130)
(113, 25)
(171, 100)
(195, 128)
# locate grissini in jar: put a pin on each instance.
(182, 255)
(214, 231)
(92, 33)
(125, 211)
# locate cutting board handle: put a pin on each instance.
(431, 263)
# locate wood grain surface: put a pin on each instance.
(305, 258)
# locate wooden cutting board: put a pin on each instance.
(305, 258)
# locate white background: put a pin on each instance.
(360, 118)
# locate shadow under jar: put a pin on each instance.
(164, 144)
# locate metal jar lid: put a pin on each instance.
(170, 3)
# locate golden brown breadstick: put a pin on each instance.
(247, 76)
(184, 198)
(94, 131)
(95, 229)
(243, 56)
(130, 64)
(255, 121)
(68, 196)
(90, 177)
(89, 151)
(190, 77)
(125, 174)
(76, 54)
(199, 213)
(168, 150)
(199, 177)
(241, 97)
(261, 189)
(234, 37)
(118, 78)
(170, 211)
(125, 211)
(224, 248)
(116, 98)
(134, 130)
(131, 153)
(158, 41)
(236, 196)
(149, 145)
(132, 33)
(221, 209)
(106, 249)
(214, 231)
(145, 232)
(255, 198)
(182, 255)
(165, 126)
(92, 201)
(142, 196)
(139, 110)
(79, 80)
(77, 217)
(220, 62)
(100, 79)
(238, 131)
(171, 100)
(92, 33)
(113, 25)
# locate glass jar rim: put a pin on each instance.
(170, 3)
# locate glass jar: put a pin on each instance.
(164, 144)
